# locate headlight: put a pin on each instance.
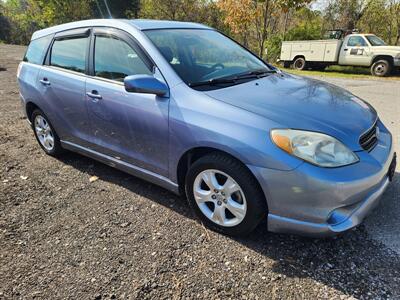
(316, 148)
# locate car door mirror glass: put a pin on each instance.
(146, 84)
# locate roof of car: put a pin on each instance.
(139, 24)
(146, 24)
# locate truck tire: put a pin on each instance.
(286, 64)
(381, 68)
(299, 63)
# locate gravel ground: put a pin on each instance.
(62, 236)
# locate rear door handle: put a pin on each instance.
(94, 95)
(45, 81)
(345, 49)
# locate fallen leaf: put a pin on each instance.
(93, 178)
(23, 177)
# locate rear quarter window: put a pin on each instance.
(37, 50)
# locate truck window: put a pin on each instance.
(356, 41)
(375, 41)
(37, 50)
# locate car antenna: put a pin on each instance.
(108, 9)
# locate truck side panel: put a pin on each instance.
(332, 51)
(318, 50)
(286, 51)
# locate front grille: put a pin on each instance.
(369, 139)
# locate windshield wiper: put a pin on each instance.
(212, 82)
(233, 78)
(254, 74)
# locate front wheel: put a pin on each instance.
(381, 68)
(225, 195)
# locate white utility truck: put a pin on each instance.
(354, 49)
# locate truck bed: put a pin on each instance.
(315, 50)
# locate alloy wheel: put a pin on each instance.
(44, 132)
(220, 198)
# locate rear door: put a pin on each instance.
(62, 80)
(132, 127)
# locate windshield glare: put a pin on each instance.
(375, 41)
(199, 55)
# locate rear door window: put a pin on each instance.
(115, 59)
(70, 54)
(37, 50)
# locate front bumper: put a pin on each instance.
(318, 202)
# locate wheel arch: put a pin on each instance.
(29, 108)
(389, 58)
(299, 56)
(193, 154)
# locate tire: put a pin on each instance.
(299, 64)
(381, 68)
(44, 131)
(241, 207)
(286, 64)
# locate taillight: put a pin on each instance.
(19, 69)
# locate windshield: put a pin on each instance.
(199, 55)
(375, 41)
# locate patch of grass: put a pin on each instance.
(343, 72)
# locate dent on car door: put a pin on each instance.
(355, 51)
(62, 82)
(132, 127)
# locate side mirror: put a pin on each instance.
(145, 84)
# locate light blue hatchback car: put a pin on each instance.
(187, 108)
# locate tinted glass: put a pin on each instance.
(199, 55)
(37, 50)
(356, 41)
(70, 54)
(114, 59)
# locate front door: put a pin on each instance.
(355, 52)
(132, 127)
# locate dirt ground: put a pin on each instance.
(62, 236)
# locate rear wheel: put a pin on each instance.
(286, 64)
(225, 195)
(299, 63)
(381, 68)
(45, 133)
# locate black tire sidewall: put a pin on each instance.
(388, 68)
(256, 204)
(303, 63)
(57, 149)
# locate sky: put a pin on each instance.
(320, 4)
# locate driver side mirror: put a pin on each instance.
(146, 84)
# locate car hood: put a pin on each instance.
(303, 103)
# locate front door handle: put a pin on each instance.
(94, 95)
(345, 49)
(45, 81)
